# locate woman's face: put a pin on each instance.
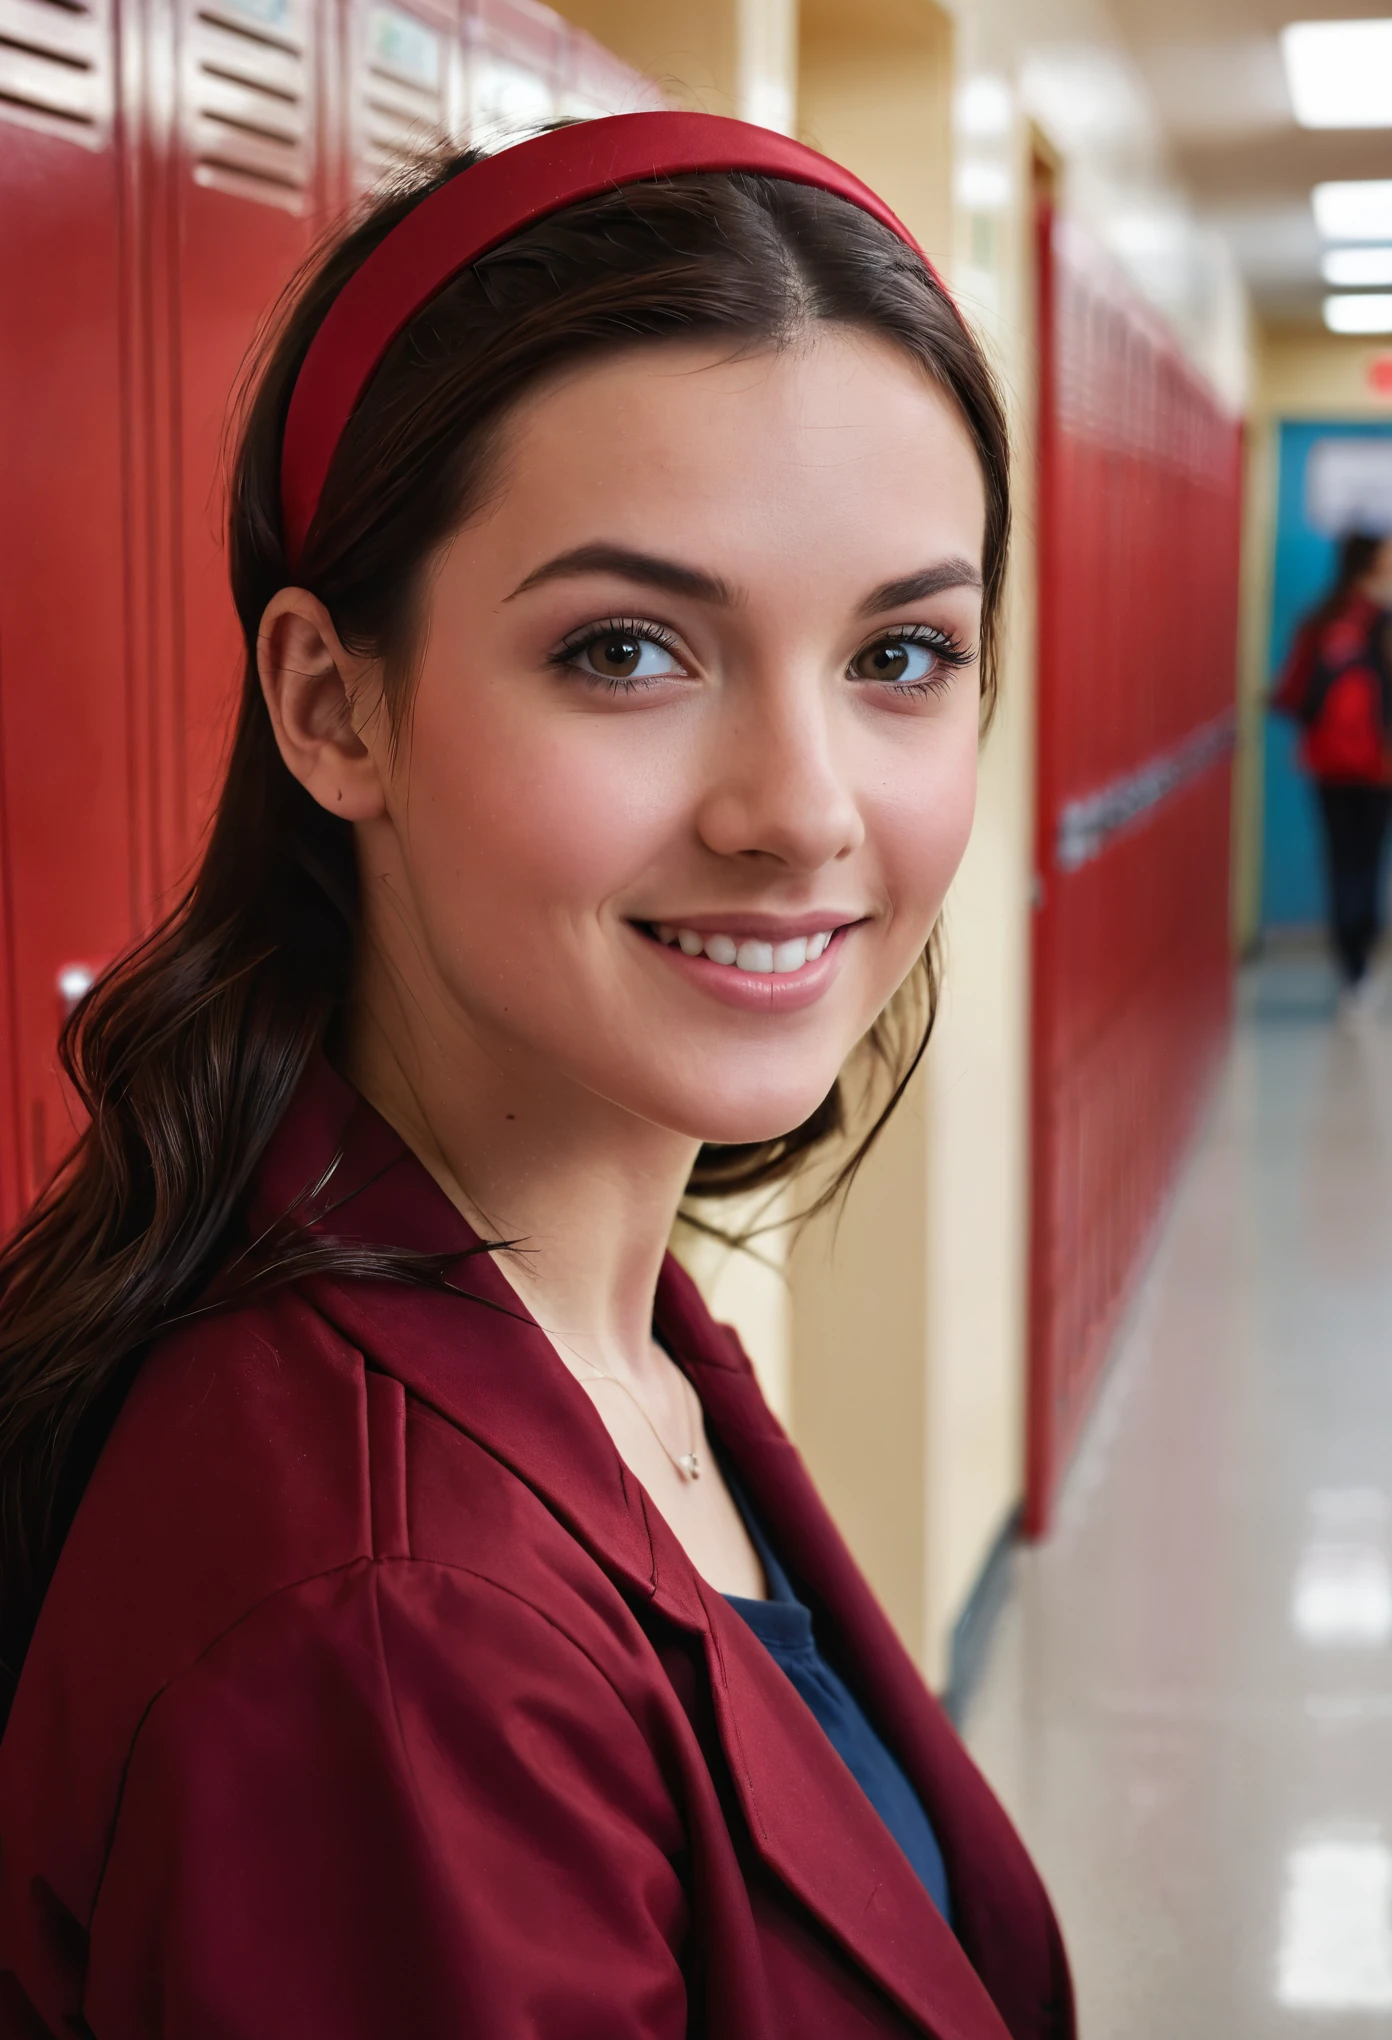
(692, 756)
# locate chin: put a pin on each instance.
(739, 1120)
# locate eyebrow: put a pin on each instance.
(917, 587)
(675, 578)
(646, 568)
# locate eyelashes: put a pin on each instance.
(626, 654)
(615, 653)
(889, 660)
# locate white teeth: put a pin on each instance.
(761, 958)
(753, 955)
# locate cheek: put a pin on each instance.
(922, 824)
(529, 822)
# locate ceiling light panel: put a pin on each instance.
(1360, 211)
(985, 108)
(1371, 312)
(1356, 268)
(1339, 73)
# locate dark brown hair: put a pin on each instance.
(1357, 556)
(185, 1054)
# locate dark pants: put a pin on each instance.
(1355, 828)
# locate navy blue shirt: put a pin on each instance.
(783, 1626)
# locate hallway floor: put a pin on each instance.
(1188, 1702)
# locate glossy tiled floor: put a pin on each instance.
(1188, 1704)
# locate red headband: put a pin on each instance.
(487, 205)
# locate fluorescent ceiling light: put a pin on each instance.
(985, 108)
(1368, 313)
(1354, 212)
(982, 187)
(1356, 268)
(1339, 73)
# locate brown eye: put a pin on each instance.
(615, 657)
(623, 656)
(898, 662)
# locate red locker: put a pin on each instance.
(1138, 523)
(68, 900)
(244, 196)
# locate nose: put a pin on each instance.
(779, 787)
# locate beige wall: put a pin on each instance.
(690, 47)
(723, 56)
(870, 75)
(1307, 373)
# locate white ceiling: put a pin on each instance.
(1214, 70)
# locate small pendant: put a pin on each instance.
(690, 1465)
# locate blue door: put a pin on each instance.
(1339, 489)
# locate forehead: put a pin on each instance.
(838, 448)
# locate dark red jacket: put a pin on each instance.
(373, 1700)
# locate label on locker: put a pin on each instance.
(269, 13)
(399, 44)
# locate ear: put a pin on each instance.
(312, 685)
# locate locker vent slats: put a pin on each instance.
(55, 67)
(248, 100)
(405, 90)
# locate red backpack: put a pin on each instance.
(1346, 705)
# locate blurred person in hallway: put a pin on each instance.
(1337, 684)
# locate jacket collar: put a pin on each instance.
(464, 1351)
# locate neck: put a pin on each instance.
(586, 1191)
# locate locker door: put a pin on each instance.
(1138, 537)
(405, 85)
(246, 202)
(66, 890)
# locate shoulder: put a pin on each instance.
(239, 1463)
(357, 1783)
(275, 1521)
(261, 1450)
(238, 1466)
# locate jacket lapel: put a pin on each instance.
(1001, 1912)
(468, 1351)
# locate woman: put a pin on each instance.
(1337, 685)
(438, 1634)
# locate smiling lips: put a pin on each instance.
(745, 952)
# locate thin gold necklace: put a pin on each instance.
(688, 1463)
